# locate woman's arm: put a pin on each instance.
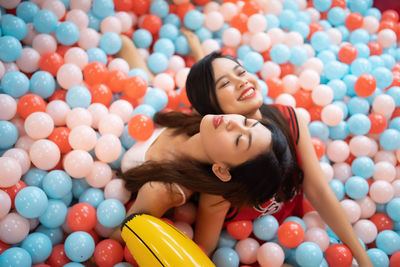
(194, 43)
(320, 195)
(209, 221)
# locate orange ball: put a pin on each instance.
(250, 8)
(60, 137)
(307, 207)
(339, 255)
(275, 86)
(29, 104)
(51, 62)
(375, 48)
(354, 21)
(378, 123)
(290, 234)
(140, 127)
(95, 72)
(286, 69)
(395, 259)
(152, 23)
(101, 94)
(314, 27)
(81, 217)
(338, 3)
(240, 22)
(387, 24)
(240, 229)
(365, 85)
(390, 14)
(303, 98)
(382, 222)
(201, 2)
(135, 87)
(141, 7)
(173, 100)
(183, 8)
(183, 97)
(319, 147)
(347, 53)
(116, 80)
(227, 50)
(189, 61)
(315, 113)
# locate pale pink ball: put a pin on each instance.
(78, 116)
(24, 142)
(164, 81)
(100, 175)
(39, 125)
(10, 66)
(9, 4)
(82, 137)
(342, 171)
(291, 83)
(33, 223)
(383, 104)
(304, 114)
(322, 95)
(228, 11)
(186, 213)
(2, 69)
(337, 151)
(293, 39)
(270, 69)
(108, 148)
(370, 24)
(276, 35)
(44, 154)
(309, 79)
(185, 228)
(43, 43)
(57, 7)
(270, 254)
(30, 34)
(181, 76)
(213, 20)
(373, 148)
(78, 163)
(313, 219)
(273, 7)
(125, 19)
(88, 38)
(386, 38)
(314, 14)
(384, 171)
(84, 5)
(5, 204)
(397, 172)
(144, 53)
(384, 155)
(97, 111)
(365, 230)
(69, 75)
(134, 18)
(28, 61)
(310, 50)
(111, 24)
(116, 189)
(360, 145)
(123, 109)
(335, 36)
(58, 111)
(327, 170)
(247, 250)
(118, 64)
(396, 187)
(111, 124)
(257, 23)
(302, 4)
(397, 154)
(368, 207)
(260, 41)
(332, 115)
(13, 228)
(352, 209)
(19, 123)
(210, 7)
(318, 236)
(176, 63)
(77, 56)
(286, 99)
(246, 37)
(231, 37)
(381, 191)
(8, 107)
(21, 156)
(102, 230)
(10, 171)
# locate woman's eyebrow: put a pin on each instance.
(223, 76)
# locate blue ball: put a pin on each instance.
(350, 80)
(297, 220)
(380, 207)
(74, 264)
(159, 8)
(138, 72)
(111, 43)
(326, 56)
(320, 41)
(358, 105)
(67, 199)
(265, 227)
(390, 139)
(79, 246)
(172, 19)
(217, 35)
(376, 62)
(393, 209)
(287, 18)
(359, 36)
(45, 21)
(78, 96)
(42, 84)
(193, 19)
(338, 87)
(395, 124)
(343, 106)
(378, 257)
(319, 130)
(181, 45)
(243, 50)
(103, 8)
(298, 55)
(38, 246)
(273, 21)
(13, 26)
(388, 60)
(226, 240)
(322, 5)
(334, 70)
(225, 257)
(78, 187)
(303, 16)
(145, 109)
(67, 33)
(27, 11)
(344, 31)
(92, 196)
(156, 98)
(157, 62)
(55, 214)
(203, 34)
(383, 77)
(359, 124)
(16, 257)
(337, 188)
(34, 177)
(168, 31)
(360, 66)
(111, 213)
(363, 167)
(8, 134)
(291, 5)
(10, 49)
(57, 184)
(253, 62)
(126, 140)
(31, 202)
(362, 50)
(325, 24)
(301, 27)
(164, 46)
(356, 187)
(308, 254)
(142, 38)
(96, 54)
(15, 83)
(388, 241)
(56, 235)
(336, 16)
(94, 22)
(374, 12)
(358, 6)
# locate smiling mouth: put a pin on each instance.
(218, 120)
(246, 94)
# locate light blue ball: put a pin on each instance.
(362, 50)
(356, 187)
(265, 227)
(298, 55)
(380, 207)
(253, 62)
(78, 96)
(395, 124)
(359, 36)
(34, 177)
(203, 34)
(31, 202)
(338, 87)
(159, 8)
(13, 26)
(319, 130)
(390, 139)
(388, 241)
(15, 83)
(142, 38)
(172, 19)
(45, 21)
(291, 5)
(94, 22)
(56, 235)
(303, 16)
(164, 46)
(334, 70)
(325, 24)
(27, 11)
(78, 187)
(96, 54)
(374, 12)
(145, 109)
(67, 33)
(42, 83)
(336, 16)
(359, 124)
(38, 246)
(326, 56)
(168, 31)
(320, 41)
(383, 77)
(363, 167)
(359, 6)
(193, 19)
(226, 240)
(8, 134)
(344, 31)
(57, 184)
(111, 43)
(138, 72)
(55, 214)
(157, 62)
(393, 209)
(308, 254)
(10, 49)
(67, 199)
(343, 106)
(243, 50)
(74, 264)
(350, 80)
(111, 213)
(378, 257)
(376, 62)
(301, 27)
(225, 257)
(16, 257)
(156, 98)
(126, 140)
(272, 21)
(297, 220)
(337, 188)
(92, 196)
(181, 45)
(322, 5)
(388, 60)
(79, 246)
(103, 8)
(287, 18)
(358, 105)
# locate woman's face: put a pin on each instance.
(233, 139)
(237, 90)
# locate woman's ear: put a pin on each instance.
(222, 172)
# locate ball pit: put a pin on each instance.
(70, 108)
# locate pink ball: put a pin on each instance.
(102, 230)
(332, 115)
(58, 110)
(116, 189)
(342, 171)
(373, 147)
(260, 42)
(185, 228)
(77, 56)
(396, 188)
(10, 66)
(360, 145)
(180, 77)
(335, 35)
(78, 17)
(322, 95)
(318, 236)
(313, 219)
(384, 171)
(257, 23)
(57, 7)
(24, 142)
(383, 104)
(8, 107)
(314, 64)
(13, 228)
(30, 35)
(10, 4)
(293, 39)
(97, 111)
(111, 124)
(44, 154)
(28, 61)
(164, 81)
(273, 7)
(33, 223)
(110, 24)
(39, 125)
(125, 19)
(247, 250)
(285, 99)
(228, 11)
(84, 5)
(69, 75)
(352, 209)
(337, 151)
(78, 116)
(368, 207)
(210, 45)
(2, 70)
(213, 20)
(291, 83)
(276, 35)
(231, 37)
(370, 24)
(366, 230)
(10, 171)
(108, 148)
(5, 204)
(123, 109)
(43, 43)
(82, 137)
(21, 156)
(118, 64)
(386, 38)
(175, 63)
(314, 14)
(270, 254)
(381, 191)
(186, 213)
(304, 115)
(88, 38)
(100, 175)
(327, 170)
(270, 69)
(209, 7)
(384, 155)
(309, 79)
(78, 163)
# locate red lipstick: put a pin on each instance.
(218, 119)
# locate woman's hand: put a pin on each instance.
(194, 43)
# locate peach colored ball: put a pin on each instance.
(78, 116)
(125, 19)
(381, 191)
(10, 171)
(291, 83)
(2, 69)
(78, 163)
(43, 43)
(365, 230)
(318, 236)
(108, 148)
(257, 23)
(293, 39)
(88, 38)
(396, 187)
(13, 228)
(386, 38)
(213, 21)
(118, 64)
(352, 209)
(30, 34)
(398, 154)
(260, 42)
(144, 53)
(247, 250)
(111, 124)
(276, 35)
(368, 207)
(327, 170)
(305, 115)
(97, 111)
(44, 154)
(102, 230)
(231, 37)
(313, 219)
(314, 14)
(186, 213)
(5, 204)
(273, 7)
(383, 155)
(84, 5)
(39, 125)
(322, 95)
(383, 104)
(19, 123)
(69, 75)
(116, 189)
(78, 17)
(33, 223)
(164, 81)
(176, 63)
(28, 61)
(337, 151)
(100, 175)
(370, 24)
(111, 24)
(210, 45)
(209, 7)
(24, 142)
(270, 254)
(77, 56)
(57, 7)
(21, 156)
(309, 79)
(58, 111)
(342, 171)
(9, 4)
(8, 107)
(181, 76)
(398, 172)
(246, 37)
(10, 66)
(373, 147)
(360, 145)
(286, 99)
(332, 115)
(384, 171)
(228, 11)
(123, 109)
(335, 35)
(82, 137)
(270, 69)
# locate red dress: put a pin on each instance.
(279, 210)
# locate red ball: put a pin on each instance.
(81, 217)
(240, 22)
(315, 112)
(382, 222)
(152, 23)
(251, 7)
(108, 253)
(140, 127)
(183, 97)
(183, 8)
(347, 53)
(240, 229)
(123, 5)
(365, 85)
(339, 255)
(375, 48)
(3, 247)
(101, 94)
(395, 259)
(94, 73)
(51, 62)
(29, 104)
(116, 80)
(275, 86)
(129, 258)
(319, 147)
(60, 137)
(227, 50)
(58, 94)
(314, 27)
(135, 87)
(378, 123)
(303, 98)
(12, 191)
(290, 234)
(354, 21)
(57, 257)
(141, 7)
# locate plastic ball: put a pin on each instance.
(110, 213)
(253, 62)
(42, 84)
(140, 127)
(81, 217)
(15, 83)
(359, 124)
(157, 62)
(308, 253)
(225, 257)
(317, 236)
(31, 202)
(38, 125)
(38, 246)
(338, 255)
(280, 53)
(356, 187)
(55, 214)
(100, 175)
(270, 255)
(389, 139)
(116, 189)
(16, 256)
(142, 38)
(247, 250)
(290, 234)
(381, 191)
(111, 43)
(135, 87)
(92, 196)
(388, 241)
(240, 229)
(79, 246)
(8, 134)
(78, 163)
(156, 98)
(57, 184)
(108, 252)
(378, 257)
